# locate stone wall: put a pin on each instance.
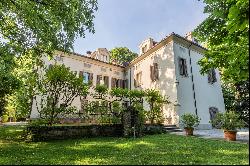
(44, 133)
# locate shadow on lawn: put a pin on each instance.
(153, 149)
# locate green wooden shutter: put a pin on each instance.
(185, 67)
(90, 78)
(81, 74)
(106, 81)
(156, 71)
(214, 75)
(151, 73)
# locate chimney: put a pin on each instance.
(88, 52)
(190, 37)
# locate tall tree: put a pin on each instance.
(225, 32)
(8, 82)
(122, 55)
(38, 27)
(58, 88)
(26, 71)
(45, 25)
(236, 97)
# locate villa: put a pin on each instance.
(169, 66)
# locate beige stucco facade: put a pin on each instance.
(190, 93)
(79, 63)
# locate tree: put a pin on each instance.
(45, 25)
(39, 27)
(225, 32)
(236, 98)
(26, 70)
(8, 82)
(58, 89)
(122, 55)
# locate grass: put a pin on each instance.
(152, 149)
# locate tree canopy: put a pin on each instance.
(122, 54)
(8, 82)
(225, 32)
(44, 25)
(30, 29)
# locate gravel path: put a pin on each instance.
(242, 135)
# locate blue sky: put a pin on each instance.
(120, 23)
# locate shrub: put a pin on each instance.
(58, 88)
(228, 121)
(101, 91)
(190, 120)
(108, 119)
(5, 118)
(153, 129)
(38, 122)
(156, 102)
(51, 114)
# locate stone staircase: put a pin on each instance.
(172, 128)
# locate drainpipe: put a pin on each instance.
(192, 78)
(130, 79)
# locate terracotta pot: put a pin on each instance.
(230, 135)
(189, 131)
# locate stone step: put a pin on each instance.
(175, 130)
(172, 128)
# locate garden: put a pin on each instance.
(150, 149)
(113, 127)
(122, 133)
(103, 112)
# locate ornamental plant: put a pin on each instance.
(101, 92)
(58, 88)
(229, 121)
(156, 102)
(190, 120)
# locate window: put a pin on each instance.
(113, 82)
(125, 83)
(106, 80)
(183, 67)
(138, 81)
(117, 83)
(144, 49)
(98, 79)
(105, 58)
(211, 76)
(154, 72)
(87, 77)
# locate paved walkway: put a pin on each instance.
(13, 124)
(242, 135)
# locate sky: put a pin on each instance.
(126, 23)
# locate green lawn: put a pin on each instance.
(152, 149)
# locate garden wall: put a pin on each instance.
(44, 133)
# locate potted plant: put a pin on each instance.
(229, 122)
(189, 121)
